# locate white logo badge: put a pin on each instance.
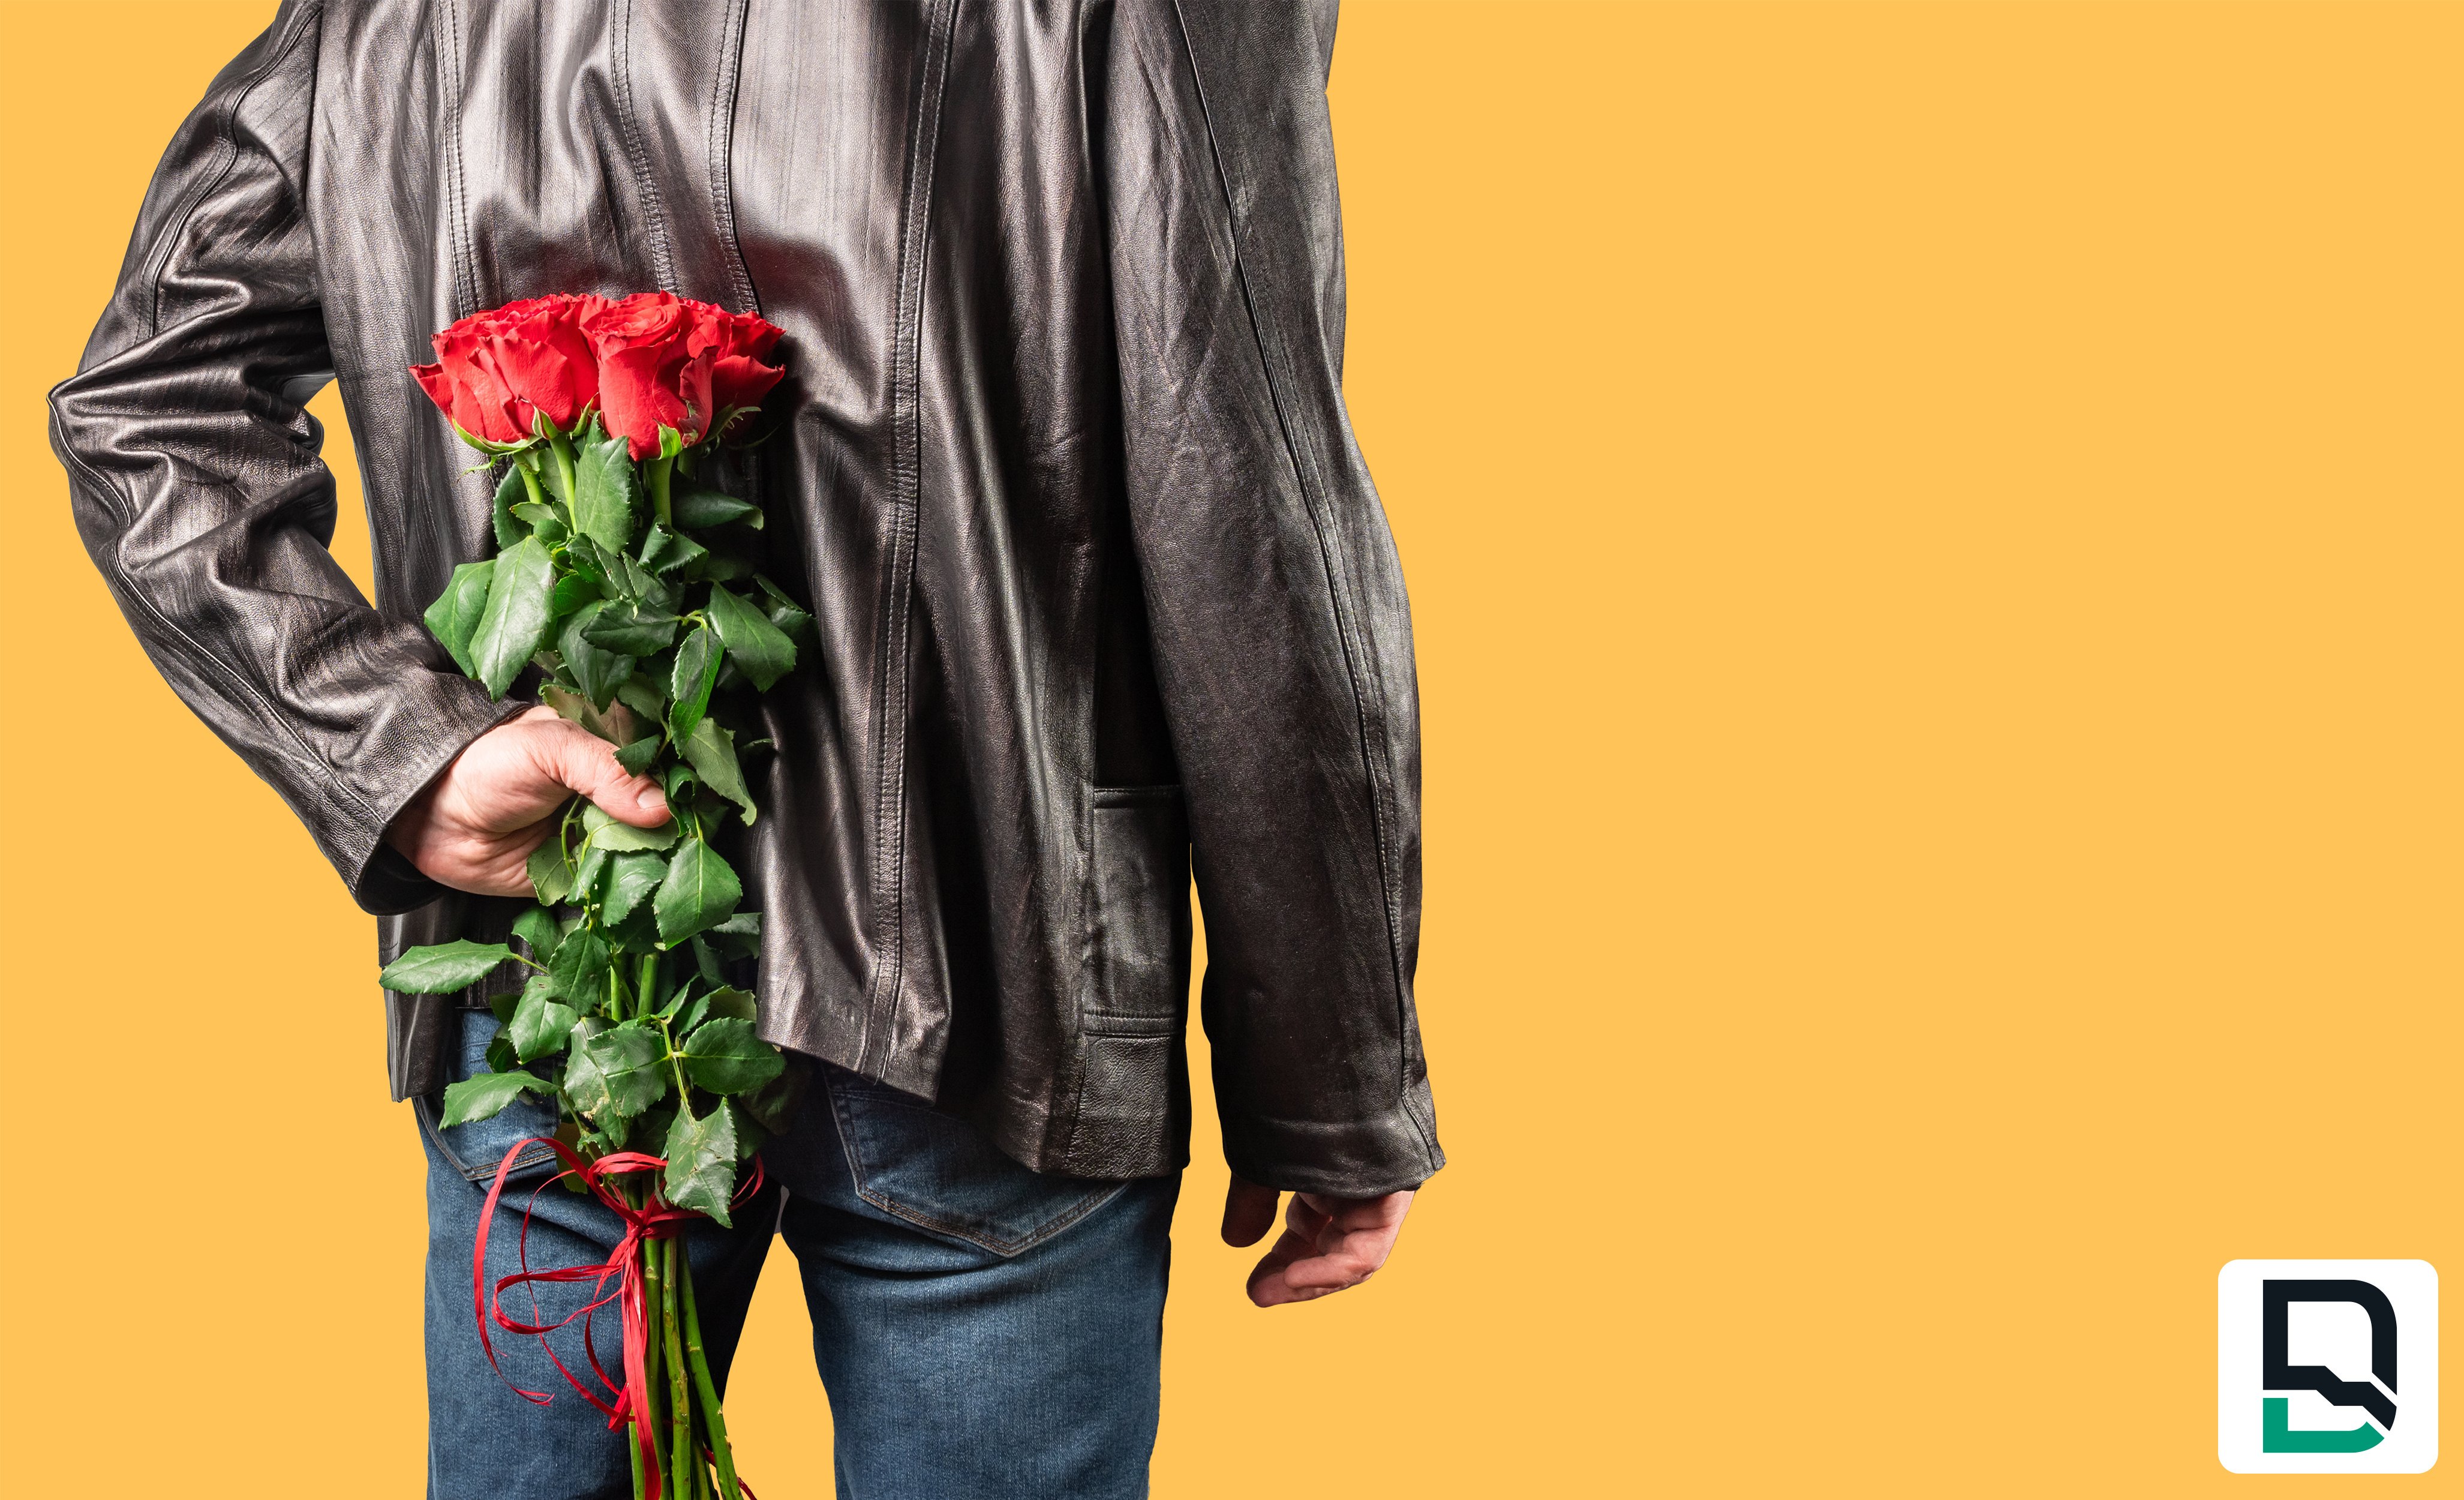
(2327, 1367)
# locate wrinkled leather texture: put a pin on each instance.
(1104, 592)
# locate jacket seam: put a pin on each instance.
(719, 147)
(226, 136)
(890, 749)
(1372, 735)
(663, 264)
(449, 62)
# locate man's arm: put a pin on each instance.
(1281, 635)
(198, 489)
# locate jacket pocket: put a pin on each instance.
(1132, 1116)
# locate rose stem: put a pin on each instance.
(659, 470)
(530, 478)
(654, 1281)
(633, 1450)
(679, 1395)
(562, 449)
(709, 1389)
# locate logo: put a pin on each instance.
(2327, 1367)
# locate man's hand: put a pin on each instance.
(473, 827)
(1329, 1243)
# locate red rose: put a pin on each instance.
(656, 364)
(498, 370)
(739, 379)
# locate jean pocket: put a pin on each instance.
(940, 1174)
(476, 1148)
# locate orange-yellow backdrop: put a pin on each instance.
(1934, 535)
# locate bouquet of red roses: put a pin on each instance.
(629, 587)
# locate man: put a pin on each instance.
(1101, 591)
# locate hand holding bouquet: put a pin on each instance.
(626, 584)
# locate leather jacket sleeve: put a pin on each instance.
(1281, 633)
(198, 489)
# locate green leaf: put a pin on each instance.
(442, 968)
(617, 838)
(499, 1055)
(477, 1097)
(732, 1004)
(541, 1024)
(632, 1061)
(510, 493)
(515, 622)
(712, 751)
(571, 592)
(706, 963)
(725, 1057)
(631, 877)
(696, 673)
(773, 1105)
(677, 1001)
(580, 967)
(701, 892)
(641, 583)
(537, 928)
(611, 725)
(638, 933)
(455, 615)
(596, 670)
(700, 508)
(606, 492)
(587, 874)
(585, 1085)
(544, 521)
(583, 556)
(740, 937)
(723, 1002)
(637, 757)
(643, 697)
(720, 567)
(701, 1162)
(551, 875)
(759, 648)
(789, 616)
(663, 551)
(632, 628)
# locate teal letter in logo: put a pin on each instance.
(2278, 1437)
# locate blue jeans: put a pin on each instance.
(983, 1329)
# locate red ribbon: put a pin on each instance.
(656, 1221)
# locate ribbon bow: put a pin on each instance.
(655, 1221)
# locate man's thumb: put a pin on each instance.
(1248, 1212)
(587, 764)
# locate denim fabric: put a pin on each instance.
(983, 1330)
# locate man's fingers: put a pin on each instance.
(1267, 1286)
(1329, 1244)
(1248, 1212)
(587, 764)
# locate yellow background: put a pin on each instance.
(1934, 535)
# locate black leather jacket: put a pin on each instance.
(1102, 585)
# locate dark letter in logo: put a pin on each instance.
(2278, 1372)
